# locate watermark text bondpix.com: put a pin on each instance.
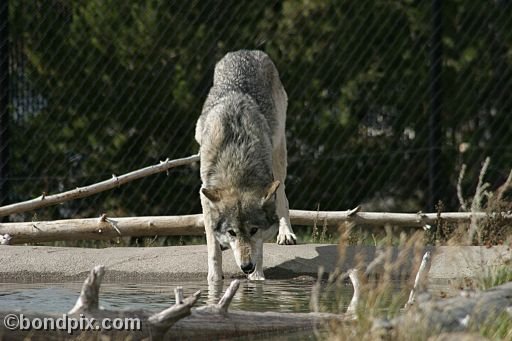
(70, 323)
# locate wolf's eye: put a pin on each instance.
(253, 231)
(232, 233)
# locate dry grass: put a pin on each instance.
(493, 230)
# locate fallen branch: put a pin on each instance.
(89, 296)
(162, 321)
(82, 192)
(106, 228)
(246, 324)
(224, 302)
(226, 299)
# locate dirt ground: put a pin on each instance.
(58, 264)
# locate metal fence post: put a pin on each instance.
(4, 100)
(435, 134)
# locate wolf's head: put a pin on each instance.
(242, 220)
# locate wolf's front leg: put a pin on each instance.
(285, 235)
(213, 246)
(279, 163)
(214, 292)
(257, 274)
(214, 260)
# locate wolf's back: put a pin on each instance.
(251, 73)
(243, 113)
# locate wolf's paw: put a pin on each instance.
(286, 239)
(256, 276)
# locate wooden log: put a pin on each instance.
(82, 192)
(105, 228)
(201, 326)
(300, 217)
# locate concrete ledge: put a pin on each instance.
(57, 264)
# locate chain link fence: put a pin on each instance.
(387, 99)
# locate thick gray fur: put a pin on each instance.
(241, 133)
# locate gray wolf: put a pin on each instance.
(241, 133)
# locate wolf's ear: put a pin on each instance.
(211, 193)
(271, 189)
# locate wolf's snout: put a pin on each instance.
(247, 267)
